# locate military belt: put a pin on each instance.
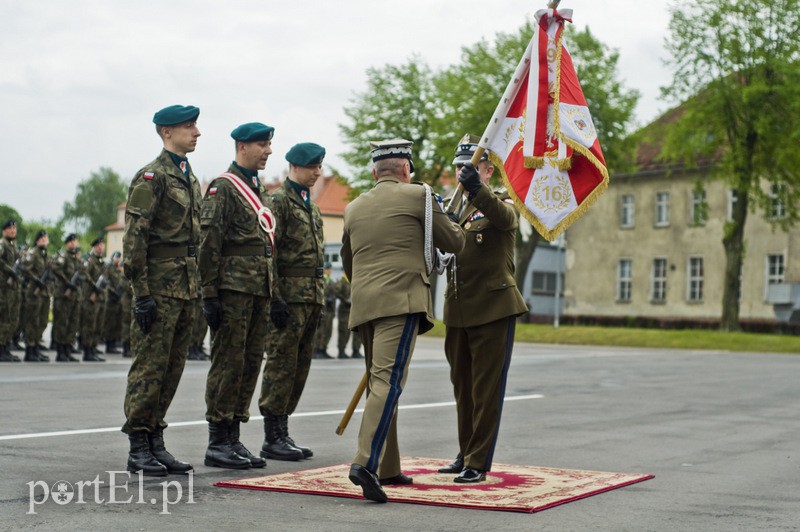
(301, 272)
(168, 251)
(246, 251)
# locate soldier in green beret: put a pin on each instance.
(9, 289)
(480, 313)
(235, 266)
(66, 298)
(297, 299)
(36, 270)
(325, 328)
(93, 300)
(162, 233)
(343, 317)
(112, 310)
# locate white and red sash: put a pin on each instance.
(265, 217)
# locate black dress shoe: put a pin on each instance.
(470, 475)
(397, 480)
(455, 467)
(370, 485)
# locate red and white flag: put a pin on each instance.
(541, 135)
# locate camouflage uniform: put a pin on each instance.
(66, 297)
(299, 268)
(112, 310)
(343, 293)
(36, 295)
(162, 230)
(325, 328)
(199, 331)
(9, 290)
(125, 303)
(91, 318)
(235, 263)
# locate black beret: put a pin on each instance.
(39, 234)
(70, 237)
(306, 154)
(176, 114)
(252, 132)
(98, 240)
(9, 223)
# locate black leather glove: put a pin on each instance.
(470, 179)
(453, 217)
(145, 313)
(212, 310)
(279, 313)
(39, 284)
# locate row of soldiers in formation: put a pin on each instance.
(91, 301)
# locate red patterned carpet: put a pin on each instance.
(507, 487)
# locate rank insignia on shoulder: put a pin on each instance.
(149, 175)
(212, 191)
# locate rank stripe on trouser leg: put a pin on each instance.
(395, 389)
(512, 321)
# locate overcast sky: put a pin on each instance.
(81, 79)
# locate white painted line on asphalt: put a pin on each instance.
(203, 422)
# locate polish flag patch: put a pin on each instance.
(212, 191)
(149, 175)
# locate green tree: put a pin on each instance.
(735, 66)
(96, 202)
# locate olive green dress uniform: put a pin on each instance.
(66, 298)
(343, 317)
(9, 290)
(35, 296)
(325, 328)
(235, 264)
(162, 232)
(382, 250)
(299, 282)
(91, 318)
(481, 305)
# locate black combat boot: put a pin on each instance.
(30, 354)
(63, 354)
(220, 453)
(126, 349)
(140, 458)
(160, 453)
(15, 343)
(111, 347)
(6, 356)
(342, 354)
(239, 448)
(37, 351)
(275, 446)
(307, 453)
(90, 355)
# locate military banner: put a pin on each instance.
(542, 137)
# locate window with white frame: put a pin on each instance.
(733, 197)
(694, 278)
(662, 209)
(775, 269)
(699, 208)
(624, 280)
(658, 292)
(777, 210)
(628, 209)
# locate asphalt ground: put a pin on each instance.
(720, 431)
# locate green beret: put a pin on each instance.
(176, 114)
(252, 132)
(306, 154)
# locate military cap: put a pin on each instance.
(9, 223)
(176, 114)
(392, 149)
(328, 265)
(98, 240)
(70, 237)
(466, 149)
(306, 154)
(39, 234)
(252, 132)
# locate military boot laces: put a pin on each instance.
(140, 458)
(220, 453)
(275, 446)
(239, 448)
(307, 453)
(160, 453)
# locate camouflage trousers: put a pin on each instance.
(288, 360)
(9, 306)
(200, 327)
(127, 317)
(91, 321)
(112, 319)
(344, 333)
(157, 365)
(324, 330)
(66, 311)
(35, 312)
(236, 355)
